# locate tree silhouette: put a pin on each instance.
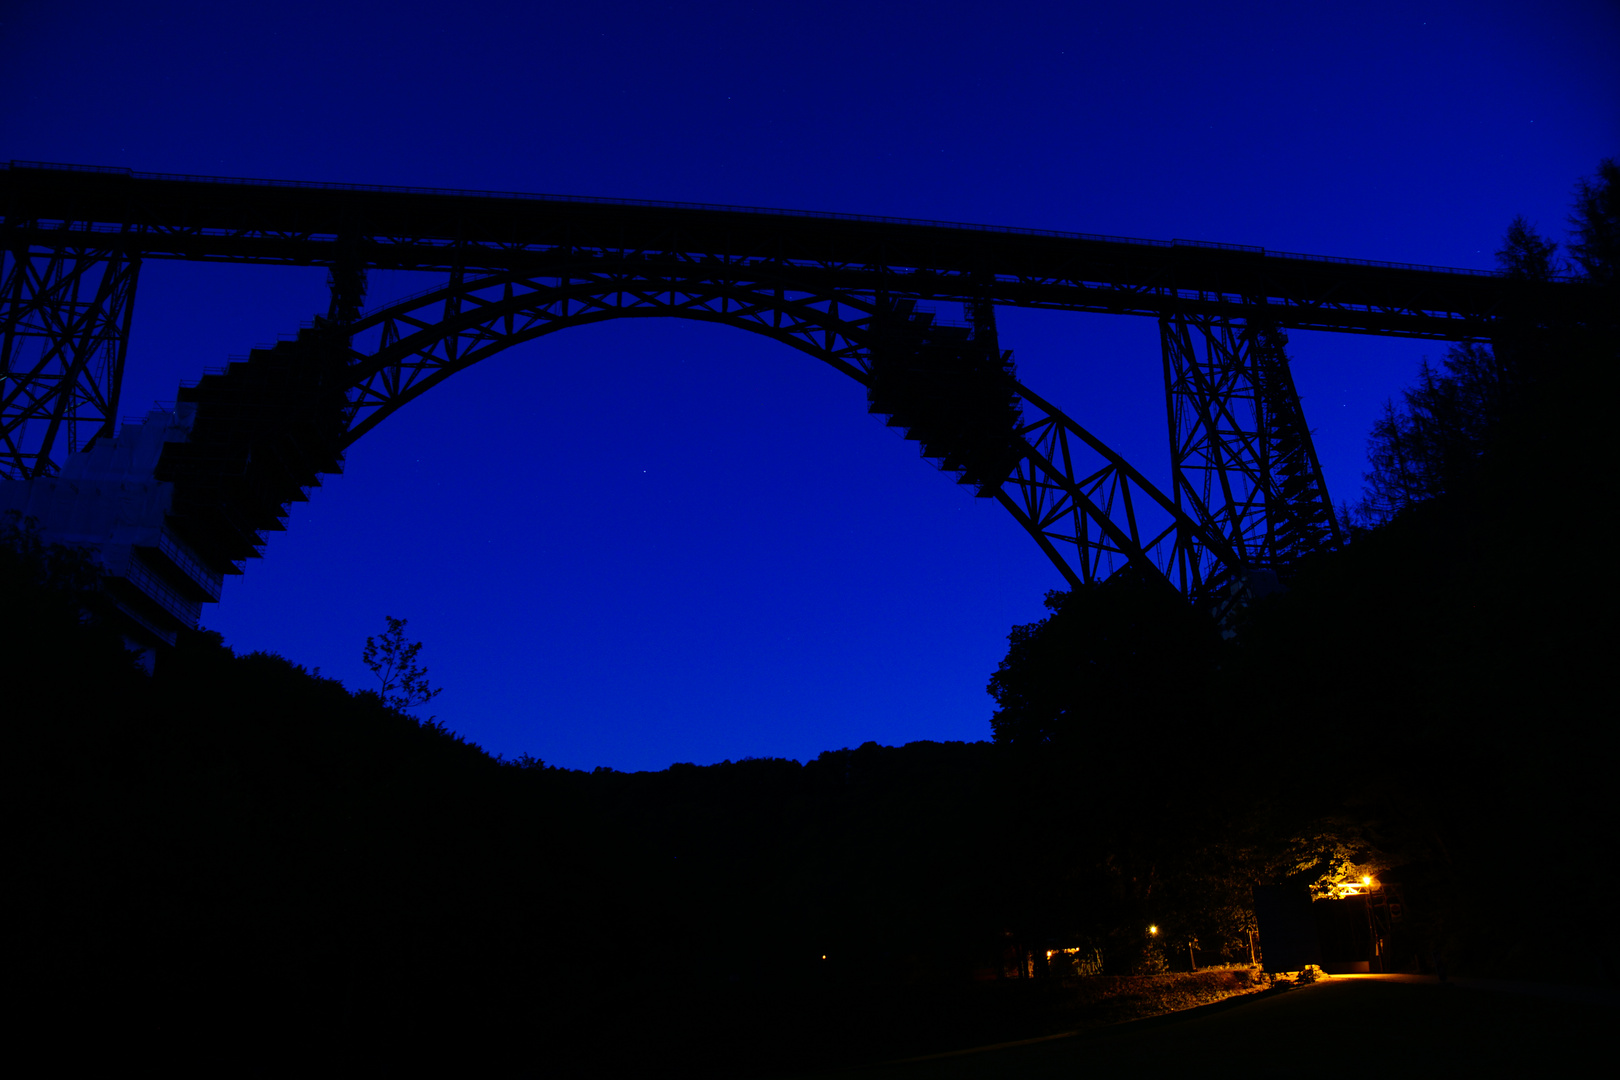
(1427, 445)
(393, 660)
(1433, 439)
(1526, 254)
(1067, 679)
(1596, 221)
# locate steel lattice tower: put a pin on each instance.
(65, 309)
(1240, 453)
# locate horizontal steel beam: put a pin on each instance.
(213, 219)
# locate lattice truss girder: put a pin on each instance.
(65, 310)
(1093, 513)
(1409, 308)
(401, 350)
(1090, 511)
(1241, 456)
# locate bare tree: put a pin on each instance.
(393, 660)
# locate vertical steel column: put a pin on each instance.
(64, 331)
(347, 284)
(1304, 521)
(1240, 453)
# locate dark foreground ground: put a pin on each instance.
(1346, 1026)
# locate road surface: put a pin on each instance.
(1369, 1026)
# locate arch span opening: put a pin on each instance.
(785, 561)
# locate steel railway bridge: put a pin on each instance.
(176, 502)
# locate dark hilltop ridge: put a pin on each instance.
(237, 848)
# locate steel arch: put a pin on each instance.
(1087, 508)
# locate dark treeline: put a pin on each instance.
(236, 846)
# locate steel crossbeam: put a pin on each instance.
(221, 219)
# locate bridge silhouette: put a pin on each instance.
(906, 308)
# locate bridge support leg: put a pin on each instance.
(1240, 452)
(346, 279)
(64, 330)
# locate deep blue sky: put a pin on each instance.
(657, 541)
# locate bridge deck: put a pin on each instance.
(296, 223)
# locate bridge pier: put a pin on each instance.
(1241, 456)
(65, 309)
